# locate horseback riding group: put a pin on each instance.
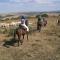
(24, 29)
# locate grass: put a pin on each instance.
(41, 46)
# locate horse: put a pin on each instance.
(39, 25)
(58, 22)
(21, 32)
(44, 23)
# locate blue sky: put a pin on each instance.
(7, 6)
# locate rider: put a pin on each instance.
(39, 21)
(23, 20)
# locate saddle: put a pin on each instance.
(22, 27)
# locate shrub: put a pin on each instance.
(44, 15)
(10, 32)
(3, 31)
(38, 16)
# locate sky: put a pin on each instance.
(7, 6)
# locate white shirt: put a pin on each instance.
(23, 21)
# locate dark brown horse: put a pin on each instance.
(39, 25)
(20, 32)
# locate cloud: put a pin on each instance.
(34, 1)
(40, 2)
(43, 1)
(29, 5)
(20, 1)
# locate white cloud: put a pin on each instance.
(40, 2)
(22, 1)
(28, 5)
(34, 1)
(14, 0)
(43, 1)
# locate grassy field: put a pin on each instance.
(44, 45)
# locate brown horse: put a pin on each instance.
(58, 22)
(39, 25)
(45, 22)
(20, 32)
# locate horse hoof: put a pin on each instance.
(27, 39)
(21, 43)
(18, 45)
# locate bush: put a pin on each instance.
(44, 15)
(3, 31)
(38, 16)
(10, 32)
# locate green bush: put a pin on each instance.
(10, 32)
(38, 16)
(3, 31)
(44, 15)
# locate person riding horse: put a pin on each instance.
(39, 22)
(22, 30)
(24, 23)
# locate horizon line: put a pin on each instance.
(28, 11)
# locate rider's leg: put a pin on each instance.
(25, 27)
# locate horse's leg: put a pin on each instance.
(39, 28)
(18, 40)
(23, 36)
(14, 35)
(27, 35)
(21, 40)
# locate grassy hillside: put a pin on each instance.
(44, 45)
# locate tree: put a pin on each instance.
(44, 15)
(38, 16)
